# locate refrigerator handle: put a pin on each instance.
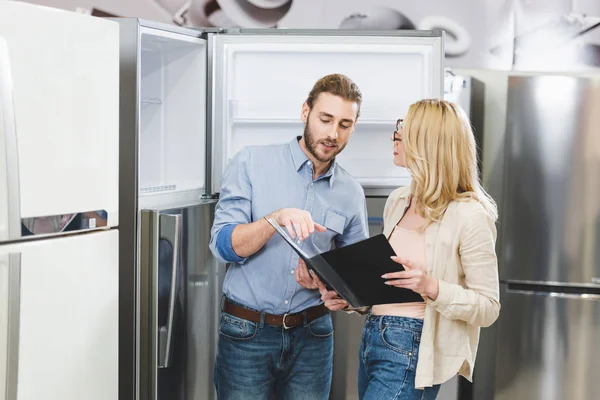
(170, 230)
(10, 213)
(14, 311)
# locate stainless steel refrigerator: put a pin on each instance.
(548, 340)
(190, 100)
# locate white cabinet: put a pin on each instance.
(68, 316)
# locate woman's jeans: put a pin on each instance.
(388, 359)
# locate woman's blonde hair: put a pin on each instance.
(441, 154)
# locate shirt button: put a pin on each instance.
(286, 302)
(309, 163)
(311, 184)
(292, 272)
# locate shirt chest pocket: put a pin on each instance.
(335, 223)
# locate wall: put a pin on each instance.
(564, 34)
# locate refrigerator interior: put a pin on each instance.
(172, 113)
(261, 80)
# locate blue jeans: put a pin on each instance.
(259, 361)
(388, 359)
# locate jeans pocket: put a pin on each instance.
(236, 328)
(321, 327)
(398, 339)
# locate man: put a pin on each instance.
(276, 336)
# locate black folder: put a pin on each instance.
(354, 271)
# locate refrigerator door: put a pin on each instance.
(261, 78)
(163, 108)
(177, 303)
(204, 286)
(551, 206)
(63, 317)
(547, 347)
(10, 292)
(160, 307)
(65, 91)
(10, 224)
(172, 111)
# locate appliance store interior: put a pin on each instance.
(121, 134)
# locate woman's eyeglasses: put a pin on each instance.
(397, 131)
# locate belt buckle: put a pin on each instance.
(284, 325)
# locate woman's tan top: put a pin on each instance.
(460, 252)
(408, 244)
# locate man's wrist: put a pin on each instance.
(274, 216)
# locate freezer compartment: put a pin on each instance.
(172, 112)
(547, 343)
(551, 207)
(63, 146)
(260, 82)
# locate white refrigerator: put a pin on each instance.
(59, 113)
(191, 99)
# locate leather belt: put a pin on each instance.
(287, 320)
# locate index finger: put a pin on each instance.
(396, 275)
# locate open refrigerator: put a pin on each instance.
(192, 98)
(59, 237)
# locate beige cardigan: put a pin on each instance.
(461, 254)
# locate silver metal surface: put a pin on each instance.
(551, 206)
(54, 224)
(203, 285)
(14, 316)
(148, 307)
(11, 157)
(170, 230)
(128, 208)
(210, 115)
(195, 32)
(547, 347)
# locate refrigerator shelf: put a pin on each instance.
(151, 101)
(298, 121)
(244, 112)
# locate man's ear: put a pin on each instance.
(305, 111)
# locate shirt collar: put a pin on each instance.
(300, 159)
(405, 192)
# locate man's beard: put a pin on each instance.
(312, 145)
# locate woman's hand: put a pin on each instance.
(413, 278)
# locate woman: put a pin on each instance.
(442, 230)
